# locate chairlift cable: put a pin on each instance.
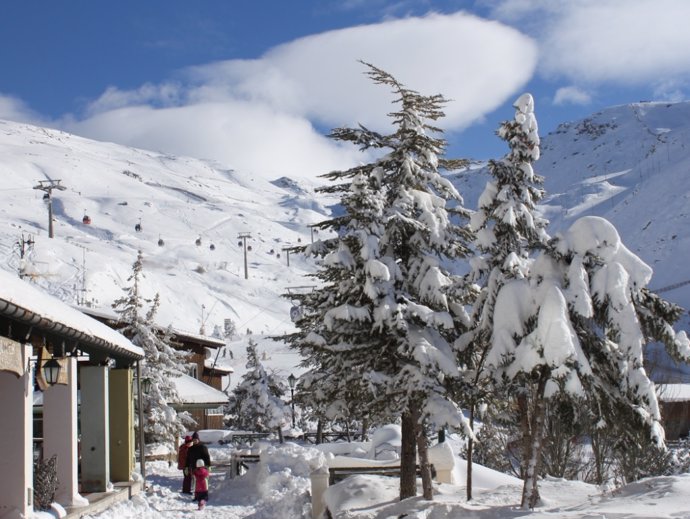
(671, 287)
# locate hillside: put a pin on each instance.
(629, 164)
(174, 199)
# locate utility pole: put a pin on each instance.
(202, 330)
(243, 236)
(286, 250)
(48, 186)
(25, 245)
(82, 301)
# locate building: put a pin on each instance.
(204, 404)
(203, 356)
(674, 400)
(38, 330)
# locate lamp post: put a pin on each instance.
(291, 382)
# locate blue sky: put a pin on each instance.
(226, 80)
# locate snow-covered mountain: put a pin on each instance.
(630, 164)
(178, 202)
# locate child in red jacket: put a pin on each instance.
(201, 484)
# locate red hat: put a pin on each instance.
(187, 439)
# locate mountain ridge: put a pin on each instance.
(628, 163)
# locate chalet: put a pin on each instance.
(674, 400)
(204, 352)
(41, 340)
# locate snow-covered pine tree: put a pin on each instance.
(258, 404)
(336, 386)
(571, 324)
(508, 231)
(614, 316)
(161, 363)
(380, 320)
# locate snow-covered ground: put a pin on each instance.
(279, 488)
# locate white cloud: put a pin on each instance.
(16, 110)
(671, 90)
(571, 95)
(246, 136)
(615, 41)
(474, 62)
(257, 114)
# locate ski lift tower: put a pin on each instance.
(243, 242)
(47, 186)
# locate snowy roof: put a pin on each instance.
(194, 392)
(210, 364)
(674, 392)
(23, 302)
(210, 342)
(179, 335)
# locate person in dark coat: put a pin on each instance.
(182, 465)
(198, 451)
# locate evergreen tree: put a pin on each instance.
(378, 325)
(161, 363)
(508, 231)
(257, 400)
(569, 319)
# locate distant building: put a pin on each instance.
(204, 404)
(674, 400)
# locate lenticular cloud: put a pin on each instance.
(227, 111)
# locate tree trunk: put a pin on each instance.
(470, 445)
(365, 429)
(530, 490)
(408, 456)
(319, 432)
(347, 430)
(424, 466)
(523, 410)
(598, 462)
(280, 434)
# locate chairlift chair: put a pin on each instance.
(295, 312)
(160, 242)
(86, 220)
(198, 241)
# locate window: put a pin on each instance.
(218, 411)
